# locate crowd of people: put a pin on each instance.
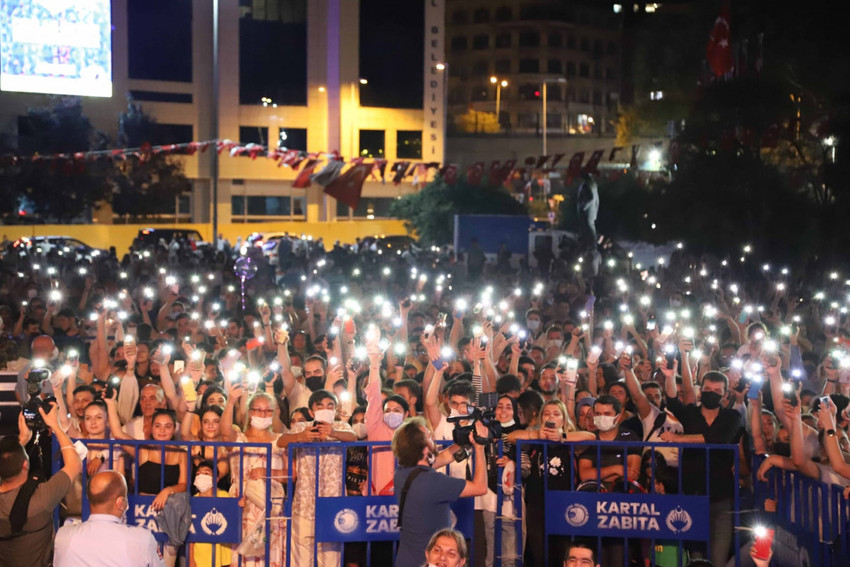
(363, 343)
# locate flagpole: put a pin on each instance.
(214, 113)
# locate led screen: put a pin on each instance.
(56, 47)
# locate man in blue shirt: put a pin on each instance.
(431, 493)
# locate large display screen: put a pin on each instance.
(56, 47)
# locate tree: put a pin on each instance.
(148, 185)
(473, 121)
(430, 212)
(60, 189)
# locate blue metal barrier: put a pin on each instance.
(811, 522)
(215, 520)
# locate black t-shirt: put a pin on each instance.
(726, 428)
(615, 453)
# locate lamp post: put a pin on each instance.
(545, 82)
(444, 67)
(499, 84)
(355, 103)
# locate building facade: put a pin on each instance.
(307, 92)
(502, 52)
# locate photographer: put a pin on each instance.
(26, 505)
(425, 494)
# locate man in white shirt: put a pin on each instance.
(103, 539)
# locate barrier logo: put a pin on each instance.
(576, 515)
(346, 521)
(678, 520)
(213, 523)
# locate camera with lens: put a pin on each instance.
(485, 412)
(30, 408)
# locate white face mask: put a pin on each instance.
(324, 415)
(258, 422)
(533, 325)
(556, 342)
(360, 430)
(203, 482)
(510, 423)
(604, 422)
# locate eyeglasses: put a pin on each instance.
(259, 411)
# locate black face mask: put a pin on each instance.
(711, 400)
(315, 383)
(783, 449)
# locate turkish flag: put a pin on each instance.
(718, 52)
(593, 162)
(504, 172)
(302, 180)
(474, 173)
(556, 159)
(449, 173)
(328, 173)
(575, 164)
(541, 161)
(399, 170)
(348, 186)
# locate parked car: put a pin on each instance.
(149, 237)
(60, 244)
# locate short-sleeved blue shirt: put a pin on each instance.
(426, 510)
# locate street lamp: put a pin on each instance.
(444, 67)
(545, 82)
(355, 104)
(499, 84)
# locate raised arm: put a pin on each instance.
(233, 396)
(633, 386)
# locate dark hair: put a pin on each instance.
(409, 441)
(304, 412)
(163, 411)
(356, 411)
(463, 388)
(205, 463)
(215, 409)
(508, 383)
(531, 403)
(212, 389)
(320, 395)
(607, 400)
(413, 387)
(85, 388)
(12, 457)
(581, 545)
(717, 378)
(316, 358)
(399, 400)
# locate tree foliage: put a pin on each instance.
(60, 189)
(143, 186)
(473, 121)
(430, 212)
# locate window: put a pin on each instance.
(292, 139)
(553, 92)
(372, 143)
(371, 207)
(153, 96)
(527, 120)
(479, 94)
(267, 29)
(571, 69)
(597, 48)
(159, 40)
(597, 97)
(554, 66)
(458, 43)
(597, 71)
(612, 48)
(583, 70)
(459, 17)
(268, 206)
(254, 135)
(529, 39)
(529, 91)
(163, 134)
(553, 120)
(481, 16)
(555, 39)
(529, 66)
(409, 144)
(503, 66)
(571, 42)
(584, 96)
(480, 69)
(610, 73)
(503, 40)
(243, 208)
(481, 41)
(504, 14)
(585, 44)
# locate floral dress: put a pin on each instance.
(255, 457)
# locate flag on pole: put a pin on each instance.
(349, 186)
(718, 52)
(302, 180)
(328, 173)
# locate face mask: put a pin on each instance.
(203, 482)
(710, 400)
(675, 303)
(556, 342)
(360, 430)
(258, 422)
(32, 292)
(324, 415)
(510, 423)
(315, 383)
(532, 325)
(604, 422)
(393, 419)
(431, 458)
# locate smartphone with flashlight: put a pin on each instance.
(763, 542)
